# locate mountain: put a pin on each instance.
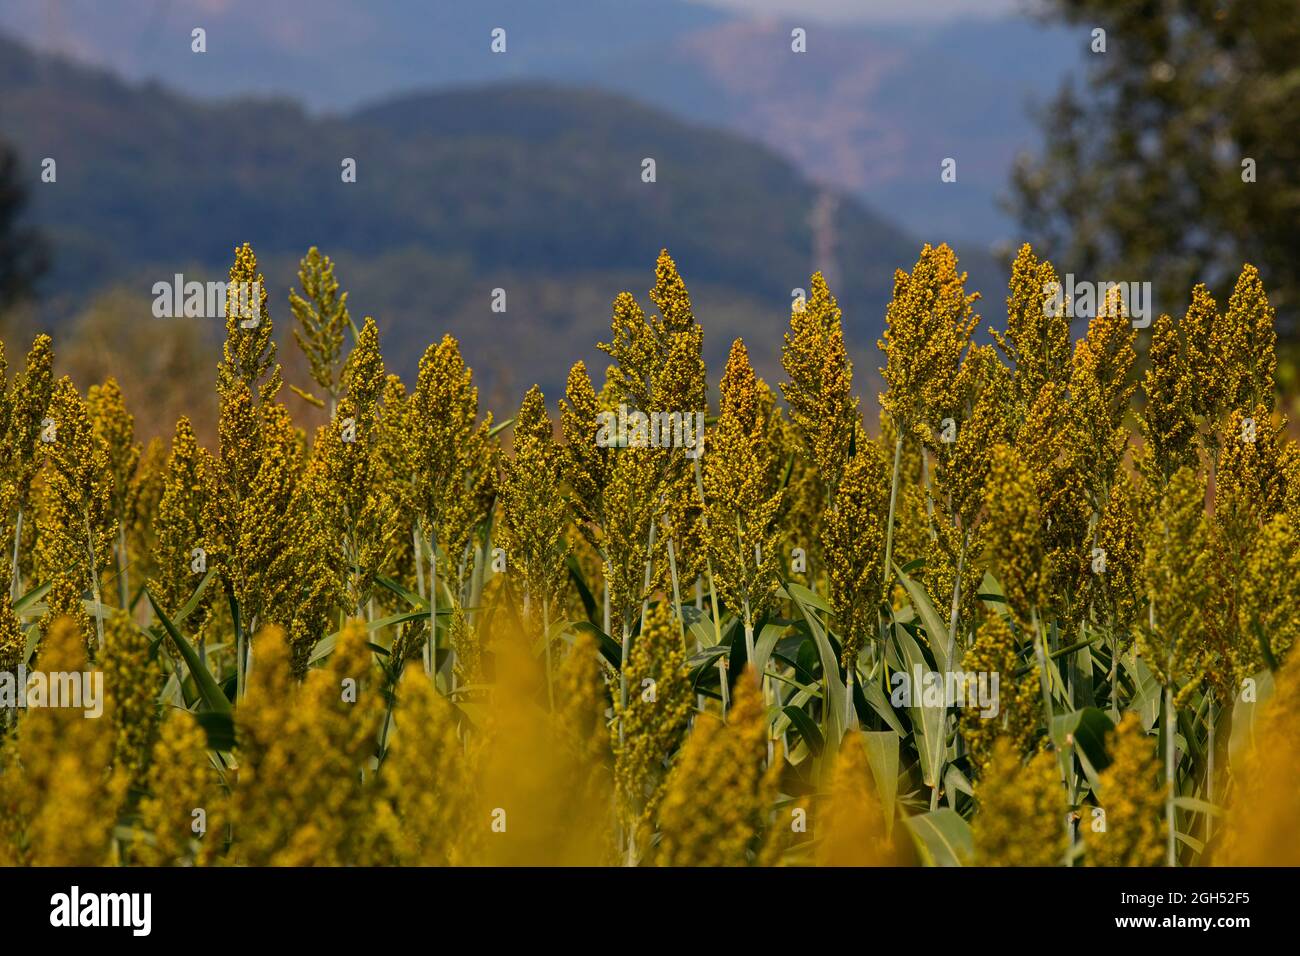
(875, 110)
(533, 189)
(871, 109)
(335, 55)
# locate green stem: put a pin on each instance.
(546, 640)
(889, 526)
(677, 592)
(1209, 768)
(1043, 681)
(624, 647)
(1114, 676)
(478, 575)
(419, 558)
(722, 685)
(605, 602)
(929, 494)
(123, 582)
(16, 585)
(850, 715)
(627, 624)
(240, 641)
(956, 599)
(94, 583)
(708, 561)
(388, 723)
(433, 608)
(1170, 809)
(713, 603)
(749, 633)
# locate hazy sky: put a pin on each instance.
(875, 10)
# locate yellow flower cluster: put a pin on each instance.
(1130, 831)
(59, 791)
(928, 328)
(720, 767)
(742, 498)
(1015, 533)
(995, 650)
(298, 793)
(653, 722)
(819, 392)
(851, 827)
(1172, 640)
(577, 703)
(1259, 830)
(77, 526)
(533, 512)
(1022, 809)
(853, 534)
(180, 789)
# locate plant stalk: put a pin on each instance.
(1170, 809)
(16, 585)
(123, 581)
(889, 525)
(94, 583)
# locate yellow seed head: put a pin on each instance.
(1021, 815)
(1132, 796)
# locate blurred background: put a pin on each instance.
(1122, 155)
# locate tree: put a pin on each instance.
(23, 256)
(1176, 160)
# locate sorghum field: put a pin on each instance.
(1035, 606)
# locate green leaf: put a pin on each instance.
(943, 837)
(1147, 695)
(797, 592)
(929, 723)
(836, 694)
(580, 583)
(188, 608)
(208, 689)
(1199, 806)
(767, 639)
(954, 781)
(1191, 741)
(882, 755)
(219, 727)
(1088, 729)
(29, 648)
(807, 729)
(1264, 647)
(880, 704)
(325, 646)
(609, 648)
(31, 597)
(789, 470)
(936, 628)
(782, 722)
(702, 632)
(1244, 715)
(403, 592)
(934, 742)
